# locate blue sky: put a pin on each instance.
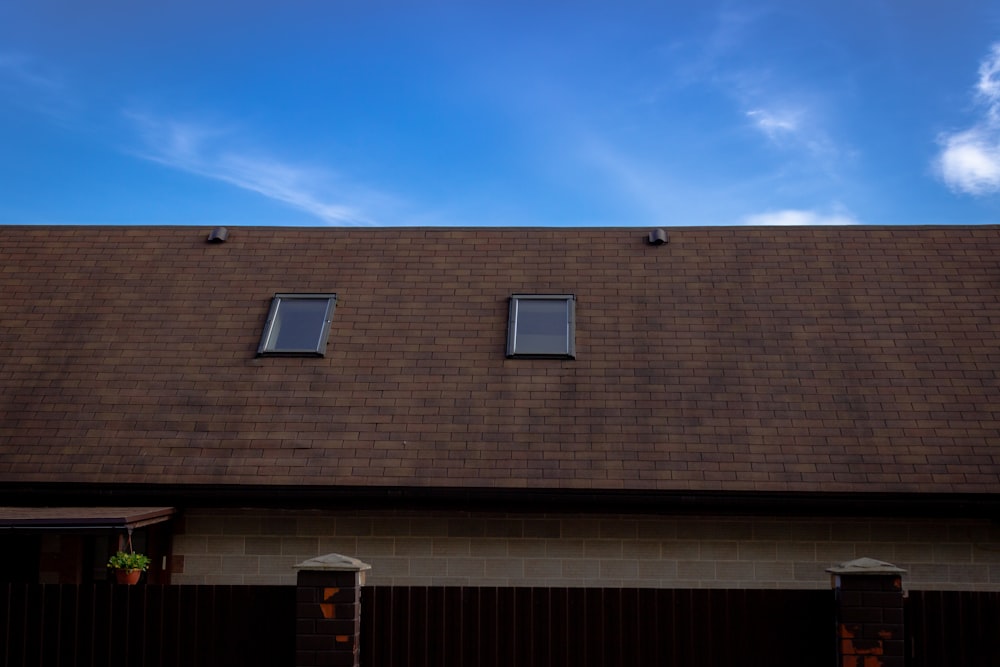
(343, 112)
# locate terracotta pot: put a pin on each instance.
(128, 576)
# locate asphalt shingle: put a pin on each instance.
(774, 359)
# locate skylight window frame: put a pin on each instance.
(516, 349)
(269, 338)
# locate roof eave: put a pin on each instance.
(537, 500)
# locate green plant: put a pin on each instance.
(129, 560)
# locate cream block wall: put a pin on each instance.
(262, 546)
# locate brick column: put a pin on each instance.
(869, 597)
(328, 611)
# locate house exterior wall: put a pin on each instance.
(472, 549)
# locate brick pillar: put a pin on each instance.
(869, 597)
(328, 611)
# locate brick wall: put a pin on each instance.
(261, 547)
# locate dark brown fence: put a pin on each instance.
(146, 626)
(222, 626)
(552, 627)
(952, 629)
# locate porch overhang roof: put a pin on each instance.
(82, 518)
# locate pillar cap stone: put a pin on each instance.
(334, 563)
(866, 566)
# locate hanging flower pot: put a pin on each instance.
(128, 576)
(128, 565)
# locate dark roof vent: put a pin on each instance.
(657, 237)
(218, 235)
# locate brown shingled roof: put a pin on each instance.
(731, 359)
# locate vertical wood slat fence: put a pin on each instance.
(606, 627)
(164, 626)
(952, 628)
(93, 625)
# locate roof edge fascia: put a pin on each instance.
(536, 500)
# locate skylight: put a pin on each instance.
(541, 325)
(298, 324)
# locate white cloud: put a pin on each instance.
(774, 124)
(988, 87)
(794, 127)
(201, 149)
(791, 115)
(795, 218)
(969, 161)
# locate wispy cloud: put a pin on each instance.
(641, 185)
(788, 119)
(988, 86)
(969, 160)
(206, 150)
(24, 83)
(775, 124)
(657, 195)
(795, 218)
(790, 114)
(18, 66)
